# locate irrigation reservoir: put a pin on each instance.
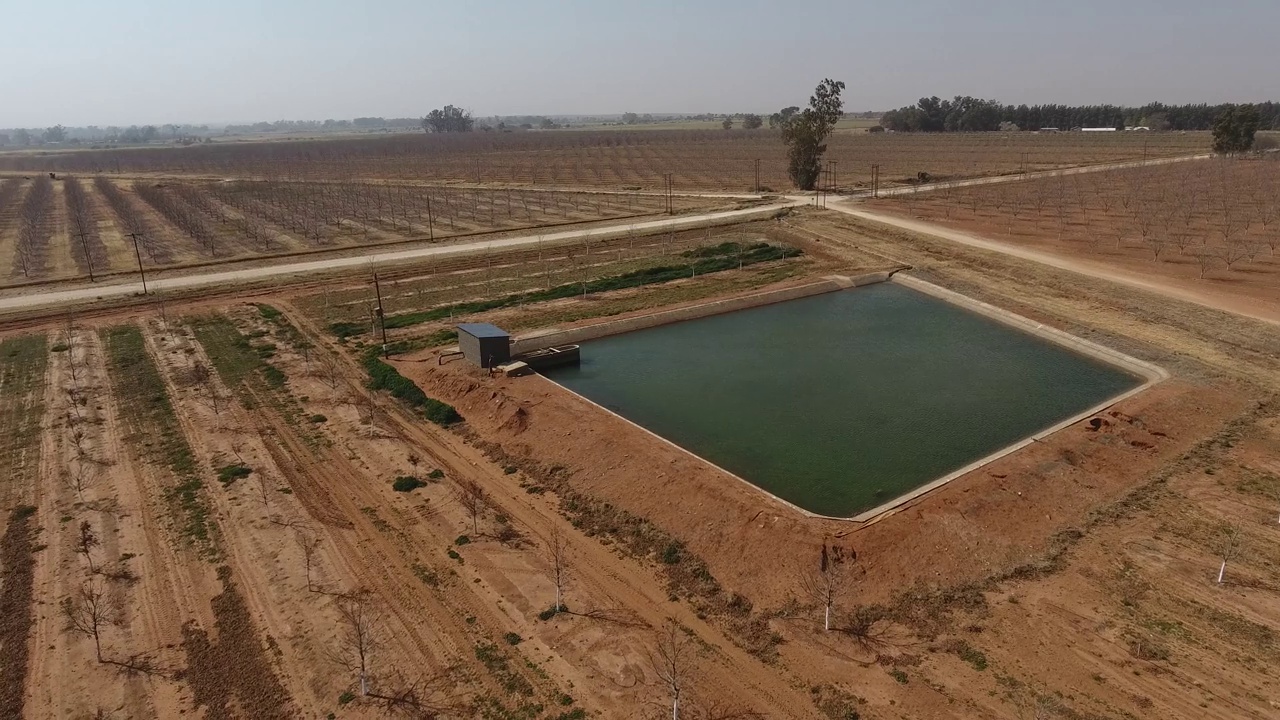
(841, 402)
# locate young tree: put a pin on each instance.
(806, 132)
(88, 612)
(1229, 547)
(357, 640)
(309, 544)
(558, 556)
(86, 541)
(474, 500)
(829, 581)
(751, 121)
(671, 662)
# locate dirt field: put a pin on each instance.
(1210, 227)
(616, 159)
(235, 473)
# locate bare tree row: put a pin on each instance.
(35, 228)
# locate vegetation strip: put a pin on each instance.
(232, 666)
(22, 367)
(17, 556)
(236, 357)
(23, 361)
(384, 377)
(153, 426)
(717, 258)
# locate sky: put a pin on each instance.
(122, 62)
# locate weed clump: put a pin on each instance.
(228, 474)
(406, 483)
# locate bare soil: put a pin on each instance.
(1076, 578)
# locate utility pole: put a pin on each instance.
(138, 254)
(833, 175)
(757, 175)
(382, 318)
(87, 257)
(431, 223)
(875, 181)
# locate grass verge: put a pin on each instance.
(702, 261)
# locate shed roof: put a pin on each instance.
(482, 330)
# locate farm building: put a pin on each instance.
(484, 344)
(1098, 129)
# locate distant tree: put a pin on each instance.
(752, 122)
(806, 132)
(1234, 129)
(727, 123)
(782, 116)
(57, 134)
(547, 124)
(448, 119)
(4, 139)
(630, 118)
(876, 129)
(1157, 122)
(21, 137)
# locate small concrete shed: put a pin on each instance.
(484, 344)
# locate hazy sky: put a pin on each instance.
(118, 62)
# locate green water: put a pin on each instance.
(842, 401)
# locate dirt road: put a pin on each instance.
(228, 277)
(1266, 312)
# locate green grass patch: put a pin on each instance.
(968, 653)
(268, 312)
(153, 429)
(496, 661)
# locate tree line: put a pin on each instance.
(968, 114)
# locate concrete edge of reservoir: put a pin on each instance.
(1149, 372)
(549, 338)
